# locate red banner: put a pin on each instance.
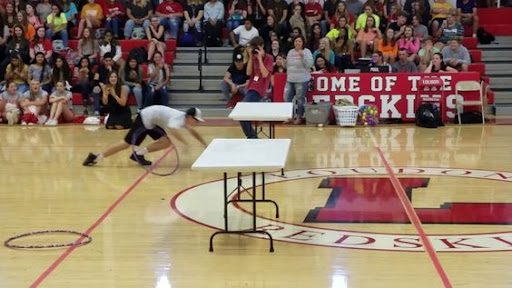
(396, 95)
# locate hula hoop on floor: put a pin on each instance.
(172, 150)
(83, 240)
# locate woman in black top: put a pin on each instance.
(437, 65)
(60, 71)
(155, 34)
(115, 100)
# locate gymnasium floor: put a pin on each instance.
(153, 231)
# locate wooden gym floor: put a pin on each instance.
(341, 225)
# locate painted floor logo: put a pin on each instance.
(361, 195)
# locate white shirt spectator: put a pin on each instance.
(244, 35)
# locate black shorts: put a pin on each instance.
(138, 132)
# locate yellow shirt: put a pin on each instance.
(59, 23)
(361, 21)
(447, 6)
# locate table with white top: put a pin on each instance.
(244, 155)
(270, 112)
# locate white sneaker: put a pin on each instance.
(51, 122)
(41, 119)
(9, 117)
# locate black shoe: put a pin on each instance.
(140, 159)
(90, 160)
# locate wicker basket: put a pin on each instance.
(346, 115)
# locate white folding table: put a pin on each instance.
(270, 112)
(244, 155)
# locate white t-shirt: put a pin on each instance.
(163, 116)
(245, 36)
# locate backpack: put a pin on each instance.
(188, 40)
(428, 116)
(484, 37)
(138, 54)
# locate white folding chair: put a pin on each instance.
(469, 86)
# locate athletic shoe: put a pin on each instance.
(90, 160)
(9, 116)
(140, 159)
(41, 119)
(51, 122)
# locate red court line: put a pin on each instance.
(415, 220)
(89, 230)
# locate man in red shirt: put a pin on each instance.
(170, 13)
(259, 68)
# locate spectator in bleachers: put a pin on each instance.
(278, 9)
(155, 33)
(288, 44)
(60, 105)
(4, 36)
(110, 45)
(84, 75)
(427, 52)
(341, 12)
(420, 30)
(421, 7)
(388, 46)
(279, 65)
(354, 7)
(214, 21)
(366, 37)
(450, 29)
(41, 44)
(362, 20)
(418, 8)
(114, 12)
(10, 16)
(329, 9)
(88, 46)
(378, 60)
(34, 104)
(193, 17)
(235, 79)
(343, 50)
(468, 14)
(440, 10)
(403, 65)
(61, 71)
(69, 8)
(19, 44)
(297, 19)
(19, 5)
(270, 26)
(392, 16)
(314, 37)
(257, 11)
(43, 10)
(342, 23)
(273, 38)
(9, 104)
(324, 48)
(410, 43)
(138, 12)
(275, 50)
(437, 65)
(170, 13)
(455, 55)
(399, 25)
(259, 68)
(322, 65)
(57, 25)
(244, 33)
(17, 72)
(41, 71)
(237, 12)
(313, 11)
(115, 101)
(131, 76)
(159, 78)
(380, 11)
(32, 17)
(299, 62)
(21, 17)
(91, 16)
(100, 79)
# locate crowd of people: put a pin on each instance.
(300, 37)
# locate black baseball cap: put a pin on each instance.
(195, 113)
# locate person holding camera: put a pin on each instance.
(259, 68)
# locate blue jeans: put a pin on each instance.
(172, 25)
(250, 133)
(113, 25)
(296, 93)
(62, 34)
(232, 24)
(22, 88)
(156, 97)
(130, 24)
(226, 90)
(137, 92)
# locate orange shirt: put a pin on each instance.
(30, 32)
(389, 50)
